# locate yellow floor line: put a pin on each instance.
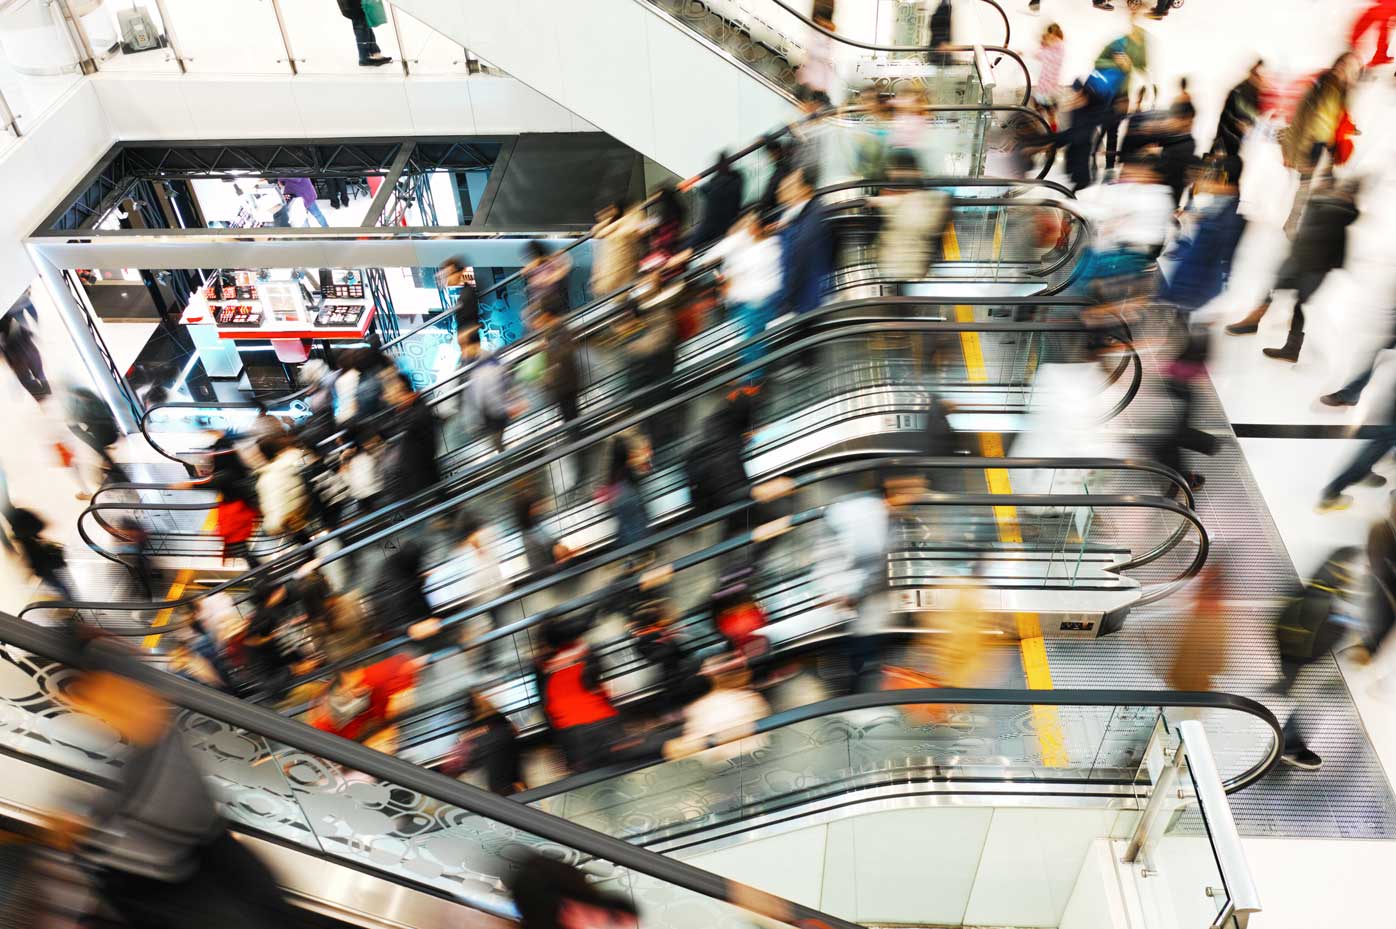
(176, 590)
(1036, 670)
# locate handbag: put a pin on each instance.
(374, 13)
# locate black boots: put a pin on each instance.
(1289, 351)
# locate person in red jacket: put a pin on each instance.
(1379, 14)
(362, 703)
(578, 708)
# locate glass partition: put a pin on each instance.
(1018, 766)
(40, 59)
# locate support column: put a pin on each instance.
(107, 381)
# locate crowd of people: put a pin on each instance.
(302, 502)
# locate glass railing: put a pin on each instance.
(339, 801)
(953, 552)
(1062, 770)
(871, 384)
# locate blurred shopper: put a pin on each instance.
(364, 703)
(543, 551)
(860, 529)
(912, 220)
(1314, 129)
(562, 378)
(550, 894)
(282, 491)
(617, 247)
(485, 402)
(414, 437)
(722, 203)
(1320, 247)
(370, 56)
(807, 246)
(455, 274)
(1239, 115)
(1051, 51)
(21, 351)
(1132, 218)
(302, 189)
(372, 366)
(651, 351)
(471, 575)
(161, 853)
(750, 257)
(664, 229)
(238, 511)
(818, 74)
(1381, 601)
(91, 420)
(402, 605)
(584, 722)
(1212, 227)
(1318, 617)
(652, 626)
(43, 556)
(134, 545)
(1359, 469)
(1378, 14)
(721, 724)
(361, 466)
(545, 283)
(1116, 64)
(490, 743)
(1200, 656)
(781, 154)
(1181, 377)
(620, 492)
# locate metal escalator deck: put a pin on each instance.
(1351, 796)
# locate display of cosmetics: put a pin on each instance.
(239, 316)
(345, 291)
(340, 314)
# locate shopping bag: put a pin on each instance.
(374, 13)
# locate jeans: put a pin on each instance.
(1352, 390)
(1367, 456)
(753, 318)
(363, 36)
(312, 208)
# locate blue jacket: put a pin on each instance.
(1203, 260)
(806, 259)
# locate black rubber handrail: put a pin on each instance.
(609, 431)
(431, 321)
(842, 39)
(616, 296)
(951, 696)
(277, 728)
(580, 602)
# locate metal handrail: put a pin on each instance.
(533, 337)
(519, 450)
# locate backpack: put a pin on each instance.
(1307, 627)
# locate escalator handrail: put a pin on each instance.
(436, 319)
(951, 696)
(841, 39)
(634, 419)
(96, 508)
(387, 769)
(532, 337)
(697, 268)
(745, 538)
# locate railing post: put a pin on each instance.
(1243, 899)
(8, 119)
(168, 28)
(1163, 764)
(397, 34)
(285, 36)
(86, 61)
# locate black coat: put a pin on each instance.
(722, 203)
(1321, 244)
(417, 467)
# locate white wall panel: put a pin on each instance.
(145, 106)
(359, 108)
(243, 108)
(798, 858)
(38, 169)
(622, 68)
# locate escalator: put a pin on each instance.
(1061, 794)
(686, 78)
